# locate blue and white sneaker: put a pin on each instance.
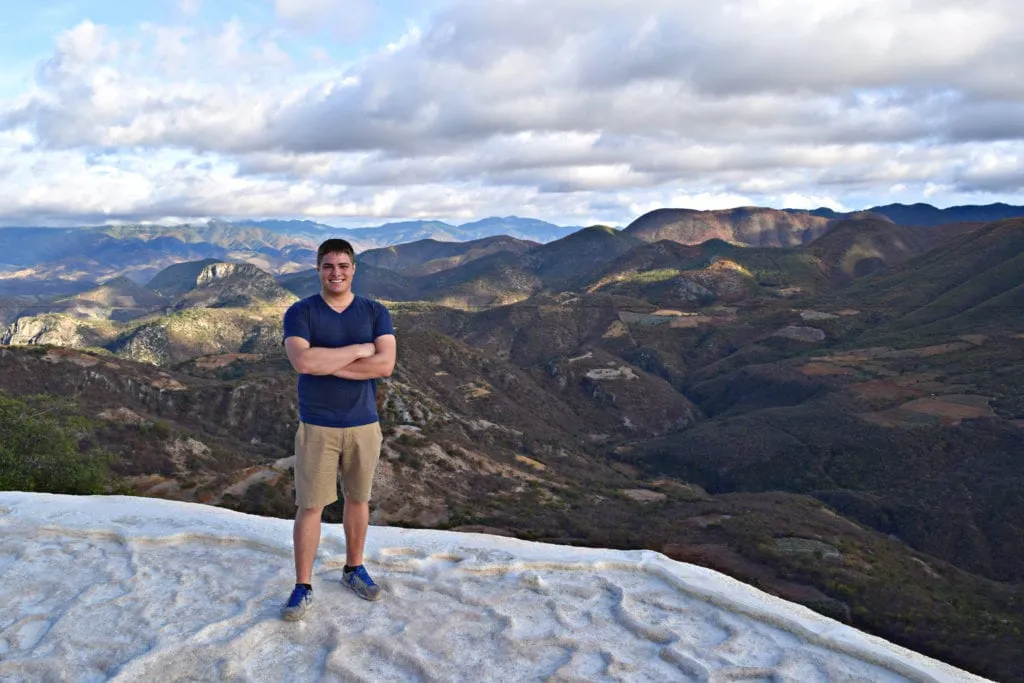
(298, 604)
(361, 584)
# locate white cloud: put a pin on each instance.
(189, 8)
(998, 168)
(572, 107)
(86, 43)
(346, 18)
(228, 44)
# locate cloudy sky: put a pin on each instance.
(360, 112)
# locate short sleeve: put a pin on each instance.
(296, 321)
(382, 322)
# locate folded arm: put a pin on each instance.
(309, 360)
(380, 364)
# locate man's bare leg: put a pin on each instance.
(306, 537)
(357, 520)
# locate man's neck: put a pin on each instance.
(338, 302)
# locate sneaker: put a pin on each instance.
(360, 582)
(298, 604)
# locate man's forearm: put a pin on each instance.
(345, 373)
(324, 361)
(376, 366)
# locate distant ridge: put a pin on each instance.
(927, 215)
(403, 232)
(920, 214)
(424, 257)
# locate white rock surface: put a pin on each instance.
(134, 589)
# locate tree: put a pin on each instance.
(38, 454)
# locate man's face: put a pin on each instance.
(336, 271)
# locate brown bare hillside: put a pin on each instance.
(750, 226)
(855, 248)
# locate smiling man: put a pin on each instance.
(340, 344)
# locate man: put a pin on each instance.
(340, 344)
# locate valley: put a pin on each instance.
(828, 407)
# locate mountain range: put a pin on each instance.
(410, 231)
(50, 261)
(922, 214)
(830, 408)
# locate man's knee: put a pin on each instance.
(309, 512)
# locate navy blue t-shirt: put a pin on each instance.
(326, 400)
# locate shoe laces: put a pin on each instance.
(363, 575)
(298, 595)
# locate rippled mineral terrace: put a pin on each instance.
(129, 589)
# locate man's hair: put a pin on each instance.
(335, 246)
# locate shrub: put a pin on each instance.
(38, 454)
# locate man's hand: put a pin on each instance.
(366, 350)
(379, 364)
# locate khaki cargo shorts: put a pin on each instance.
(319, 451)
